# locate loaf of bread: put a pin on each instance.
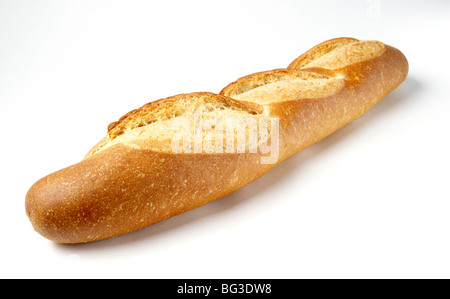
(178, 153)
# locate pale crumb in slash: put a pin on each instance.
(347, 54)
(158, 125)
(288, 87)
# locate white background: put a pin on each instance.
(370, 201)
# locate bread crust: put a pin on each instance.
(122, 188)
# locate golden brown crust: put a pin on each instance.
(305, 121)
(122, 189)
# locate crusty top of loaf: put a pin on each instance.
(313, 75)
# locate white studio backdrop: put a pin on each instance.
(370, 201)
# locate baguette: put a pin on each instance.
(161, 160)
